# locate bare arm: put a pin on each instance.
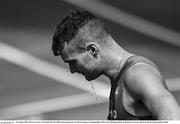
(146, 84)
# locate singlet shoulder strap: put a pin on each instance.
(139, 59)
(136, 59)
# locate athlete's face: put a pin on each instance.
(84, 62)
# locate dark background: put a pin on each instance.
(29, 25)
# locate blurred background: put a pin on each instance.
(36, 85)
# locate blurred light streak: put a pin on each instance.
(34, 64)
(128, 20)
(63, 103)
(173, 84)
(50, 105)
(39, 66)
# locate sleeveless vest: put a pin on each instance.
(119, 96)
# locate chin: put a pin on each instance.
(90, 77)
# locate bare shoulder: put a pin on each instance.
(145, 83)
(143, 79)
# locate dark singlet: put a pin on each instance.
(119, 96)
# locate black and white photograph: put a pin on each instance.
(90, 60)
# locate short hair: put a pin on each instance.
(67, 29)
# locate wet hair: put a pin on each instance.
(67, 29)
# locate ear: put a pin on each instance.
(92, 48)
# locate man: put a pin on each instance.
(138, 90)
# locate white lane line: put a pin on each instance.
(39, 66)
(50, 105)
(128, 20)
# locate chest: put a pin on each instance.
(124, 106)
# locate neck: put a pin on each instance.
(116, 59)
(114, 71)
